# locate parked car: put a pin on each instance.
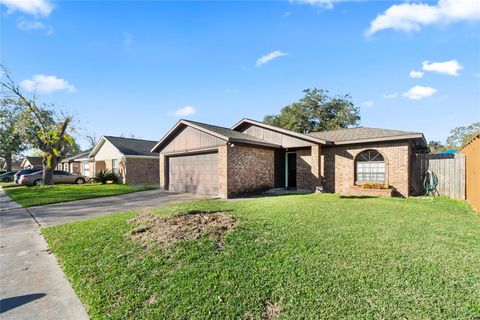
(7, 176)
(17, 175)
(59, 177)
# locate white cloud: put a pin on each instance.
(185, 111)
(413, 16)
(269, 57)
(323, 3)
(390, 95)
(476, 75)
(367, 104)
(415, 74)
(419, 92)
(33, 7)
(46, 84)
(451, 67)
(26, 25)
(30, 25)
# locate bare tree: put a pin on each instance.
(46, 130)
(92, 140)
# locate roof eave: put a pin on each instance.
(281, 130)
(391, 138)
(258, 143)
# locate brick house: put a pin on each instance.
(32, 163)
(16, 165)
(76, 163)
(131, 159)
(253, 156)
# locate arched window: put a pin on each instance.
(369, 167)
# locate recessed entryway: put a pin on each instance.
(291, 170)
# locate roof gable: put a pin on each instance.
(283, 131)
(126, 146)
(34, 161)
(222, 133)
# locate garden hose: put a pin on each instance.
(430, 182)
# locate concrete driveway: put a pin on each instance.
(59, 213)
(32, 285)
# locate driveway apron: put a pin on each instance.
(32, 285)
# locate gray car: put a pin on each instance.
(59, 177)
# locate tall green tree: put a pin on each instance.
(42, 126)
(11, 140)
(317, 111)
(461, 135)
(436, 146)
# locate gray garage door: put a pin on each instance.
(194, 173)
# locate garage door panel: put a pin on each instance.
(194, 173)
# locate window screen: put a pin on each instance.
(369, 167)
(115, 166)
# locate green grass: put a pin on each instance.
(7, 184)
(36, 196)
(313, 256)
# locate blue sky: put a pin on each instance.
(126, 67)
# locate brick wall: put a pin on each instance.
(338, 167)
(140, 170)
(223, 171)
(95, 167)
(309, 168)
(163, 170)
(249, 169)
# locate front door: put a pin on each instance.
(291, 166)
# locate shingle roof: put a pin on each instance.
(362, 133)
(35, 161)
(229, 133)
(78, 155)
(132, 147)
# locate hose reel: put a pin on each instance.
(430, 183)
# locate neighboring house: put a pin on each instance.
(131, 159)
(78, 163)
(253, 156)
(16, 165)
(32, 163)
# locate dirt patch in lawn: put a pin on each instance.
(271, 311)
(153, 230)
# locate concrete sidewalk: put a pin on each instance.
(32, 284)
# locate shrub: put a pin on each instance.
(374, 185)
(104, 176)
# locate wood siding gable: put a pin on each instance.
(188, 139)
(271, 136)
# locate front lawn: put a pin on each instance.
(36, 196)
(7, 184)
(295, 257)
